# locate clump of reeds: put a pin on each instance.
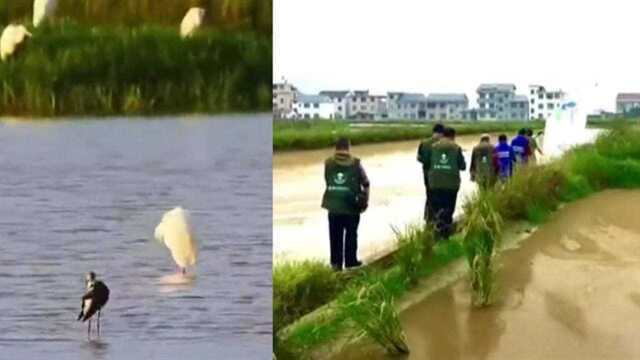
(481, 233)
(254, 15)
(372, 309)
(69, 69)
(414, 245)
(299, 288)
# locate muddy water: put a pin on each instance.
(571, 291)
(300, 229)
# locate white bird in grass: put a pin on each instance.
(12, 39)
(175, 232)
(93, 300)
(42, 10)
(192, 21)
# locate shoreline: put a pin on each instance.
(321, 134)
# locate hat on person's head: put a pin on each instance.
(485, 137)
(438, 128)
(449, 132)
(343, 143)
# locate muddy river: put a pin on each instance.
(300, 226)
(570, 291)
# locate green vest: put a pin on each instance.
(483, 159)
(423, 153)
(444, 172)
(343, 187)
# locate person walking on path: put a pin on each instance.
(484, 163)
(346, 196)
(520, 145)
(423, 150)
(445, 161)
(506, 158)
(533, 147)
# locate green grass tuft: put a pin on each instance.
(299, 288)
(372, 309)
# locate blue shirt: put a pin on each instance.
(520, 145)
(506, 157)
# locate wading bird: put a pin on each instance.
(192, 21)
(93, 300)
(175, 232)
(42, 10)
(12, 39)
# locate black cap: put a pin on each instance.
(450, 132)
(342, 143)
(438, 128)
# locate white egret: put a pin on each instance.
(42, 10)
(192, 21)
(176, 233)
(12, 39)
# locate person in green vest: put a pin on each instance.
(444, 161)
(484, 163)
(423, 150)
(346, 196)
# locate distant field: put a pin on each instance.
(303, 135)
(72, 69)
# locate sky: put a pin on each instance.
(591, 49)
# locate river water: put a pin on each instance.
(300, 226)
(570, 291)
(82, 194)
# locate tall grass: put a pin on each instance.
(299, 288)
(372, 309)
(302, 135)
(481, 232)
(68, 69)
(413, 247)
(253, 15)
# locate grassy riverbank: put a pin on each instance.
(243, 15)
(69, 69)
(532, 195)
(306, 135)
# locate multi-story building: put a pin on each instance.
(340, 100)
(313, 107)
(406, 106)
(627, 102)
(493, 100)
(284, 94)
(382, 113)
(446, 106)
(543, 102)
(362, 105)
(499, 102)
(518, 108)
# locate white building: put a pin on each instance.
(543, 102)
(313, 107)
(627, 103)
(284, 95)
(340, 100)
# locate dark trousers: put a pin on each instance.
(343, 237)
(428, 206)
(443, 205)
